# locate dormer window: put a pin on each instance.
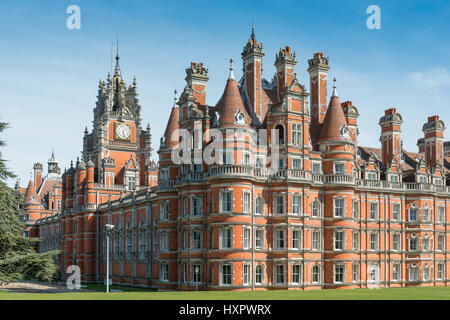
(344, 131)
(239, 118)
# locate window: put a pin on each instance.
(315, 274)
(279, 204)
(426, 215)
(227, 238)
(316, 168)
(259, 238)
(258, 205)
(396, 272)
(315, 208)
(355, 240)
(196, 239)
(395, 211)
(296, 134)
(425, 273)
(164, 210)
(296, 240)
(371, 176)
(164, 241)
(374, 241)
(315, 240)
(164, 272)
(129, 244)
(246, 159)
(197, 273)
(355, 272)
(425, 244)
(413, 273)
(373, 273)
(339, 273)
(279, 273)
(164, 174)
(296, 273)
(413, 244)
(259, 274)
(296, 204)
(246, 275)
(142, 241)
(184, 207)
(246, 203)
(246, 238)
(226, 201)
(185, 272)
(295, 164)
(339, 207)
(423, 179)
(196, 206)
(396, 242)
(440, 244)
(355, 209)
(184, 240)
(227, 274)
(413, 214)
(279, 239)
(393, 178)
(258, 163)
(373, 210)
(441, 214)
(131, 183)
(339, 168)
(338, 240)
(440, 271)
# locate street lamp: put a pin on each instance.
(196, 272)
(108, 230)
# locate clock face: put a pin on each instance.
(123, 131)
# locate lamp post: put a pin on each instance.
(196, 272)
(108, 230)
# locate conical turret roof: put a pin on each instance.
(31, 196)
(335, 124)
(230, 106)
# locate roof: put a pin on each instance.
(231, 109)
(31, 197)
(48, 185)
(172, 125)
(334, 122)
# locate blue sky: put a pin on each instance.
(49, 74)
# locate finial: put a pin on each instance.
(174, 98)
(335, 94)
(231, 77)
(253, 31)
(134, 81)
(117, 47)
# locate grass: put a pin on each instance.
(412, 293)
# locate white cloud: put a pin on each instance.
(438, 77)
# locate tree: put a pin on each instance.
(18, 259)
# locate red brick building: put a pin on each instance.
(333, 215)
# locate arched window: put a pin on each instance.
(259, 277)
(413, 273)
(315, 274)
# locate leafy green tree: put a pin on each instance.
(18, 259)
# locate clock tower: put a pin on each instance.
(118, 146)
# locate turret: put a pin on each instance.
(318, 75)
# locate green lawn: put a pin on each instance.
(441, 293)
